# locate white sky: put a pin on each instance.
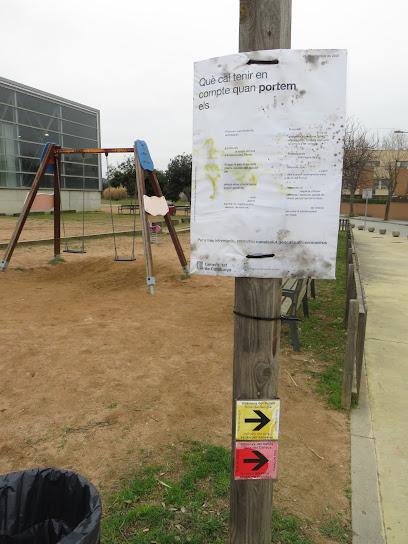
(133, 59)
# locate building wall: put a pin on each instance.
(373, 176)
(12, 200)
(398, 210)
(29, 118)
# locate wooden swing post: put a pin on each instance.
(57, 204)
(147, 248)
(27, 206)
(180, 253)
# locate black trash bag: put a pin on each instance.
(48, 506)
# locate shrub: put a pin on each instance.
(117, 193)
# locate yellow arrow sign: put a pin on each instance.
(257, 419)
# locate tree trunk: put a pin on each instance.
(387, 207)
(351, 202)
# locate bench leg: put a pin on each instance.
(294, 333)
(312, 289)
(305, 306)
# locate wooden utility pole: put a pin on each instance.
(264, 24)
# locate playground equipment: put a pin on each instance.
(67, 250)
(52, 155)
(117, 258)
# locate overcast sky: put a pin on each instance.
(133, 59)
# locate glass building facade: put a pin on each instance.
(30, 118)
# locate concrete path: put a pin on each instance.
(384, 268)
(393, 224)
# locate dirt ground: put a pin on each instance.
(98, 376)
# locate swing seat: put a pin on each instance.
(73, 251)
(119, 259)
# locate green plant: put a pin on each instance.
(187, 503)
(56, 260)
(323, 335)
(336, 529)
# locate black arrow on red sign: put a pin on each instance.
(263, 420)
(261, 460)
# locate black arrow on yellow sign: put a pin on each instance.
(261, 460)
(263, 420)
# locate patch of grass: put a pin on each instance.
(337, 530)
(323, 335)
(56, 260)
(189, 504)
(287, 530)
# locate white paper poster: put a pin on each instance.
(267, 161)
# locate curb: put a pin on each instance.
(366, 511)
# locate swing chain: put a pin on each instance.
(57, 163)
(110, 204)
(83, 203)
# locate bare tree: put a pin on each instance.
(394, 146)
(359, 149)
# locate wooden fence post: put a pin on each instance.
(350, 358)
(350, 290)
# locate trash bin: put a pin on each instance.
(48, 506)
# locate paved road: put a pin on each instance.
(384, 267)
(395, 224)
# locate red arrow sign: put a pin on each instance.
(256, 460)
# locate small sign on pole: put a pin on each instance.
(257, 420)
(256, 460)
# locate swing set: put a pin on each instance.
(52, 157)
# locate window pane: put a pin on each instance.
(37, 120)
(9, 179)
(8, 147)
(74, 142)
(39, 135)
(37, 104)
(76, 183)
(6, 95)
(30, 165)
(90, 158)
(79, 130)
(79, 116)
(47, 182)
(6, 113)
(31, 150)
(8, 163)
(92, 184)
(74, 169)
(7, 131)
(28, 179)
(73, 182)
